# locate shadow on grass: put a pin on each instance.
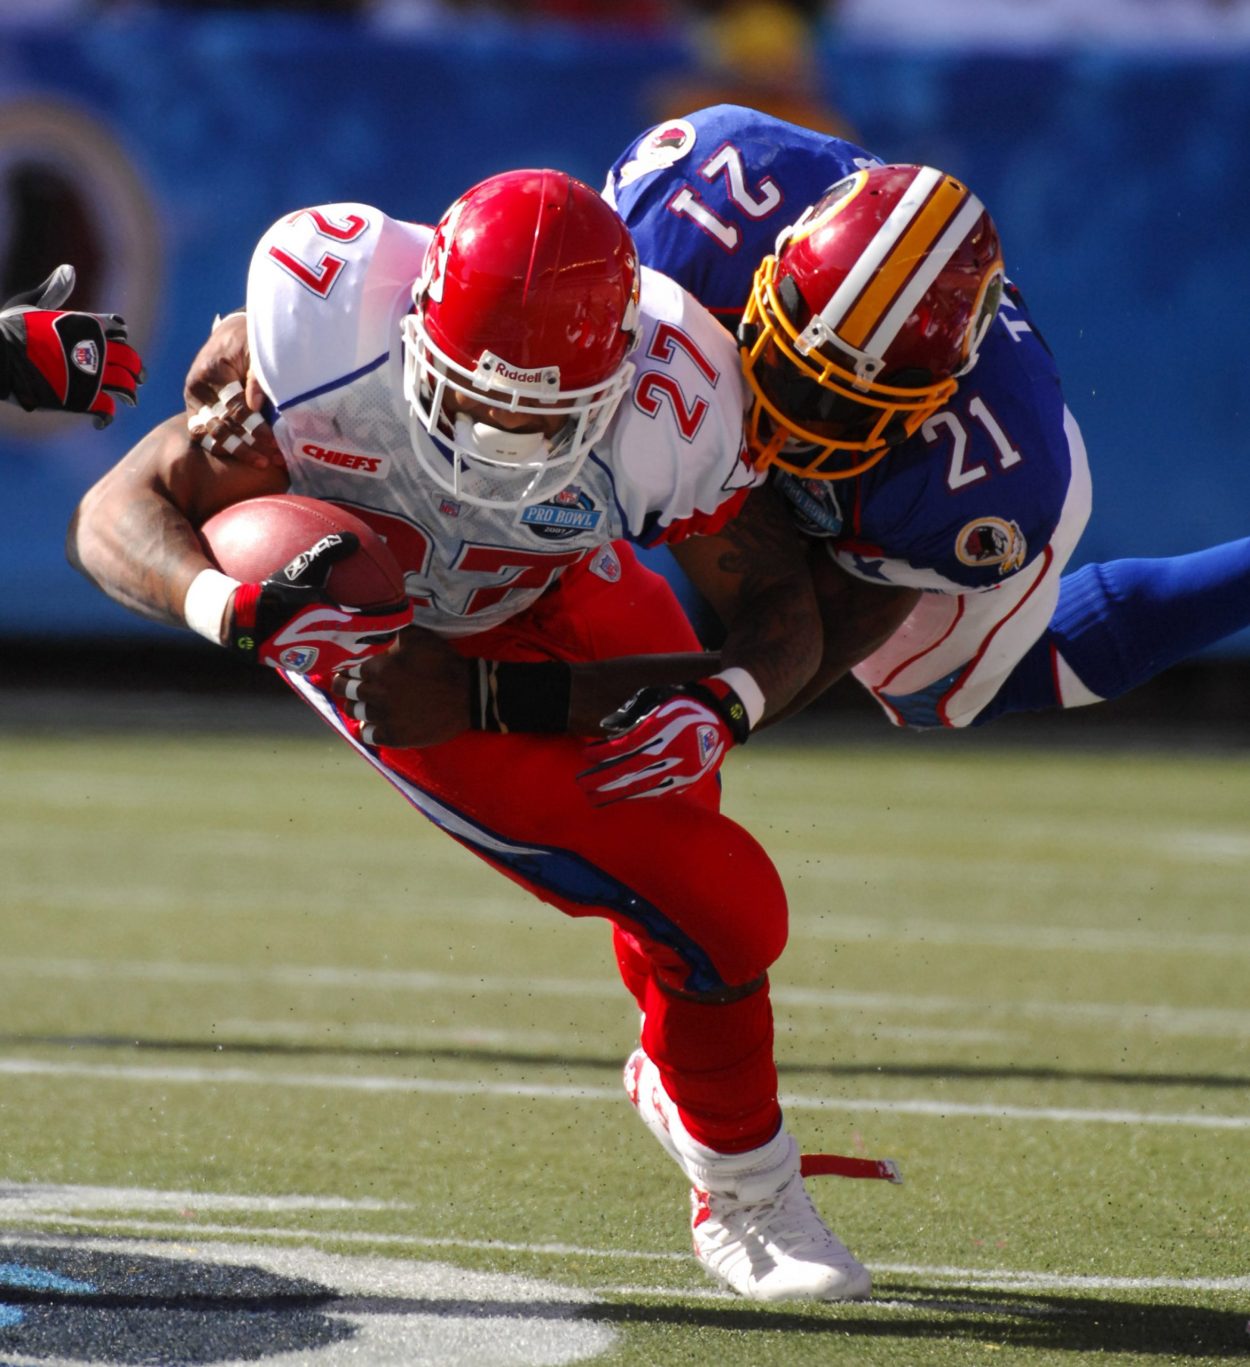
(256, 1325)
(241, 1308)
(1022, 1320)
(467, 1053)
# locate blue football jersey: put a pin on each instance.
(977, 493)
(707, 196)
(972, 497)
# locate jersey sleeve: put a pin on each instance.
(321, 292)
(679, 456)
(707, 195)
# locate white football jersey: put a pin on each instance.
(326, 292)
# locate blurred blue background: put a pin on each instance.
(152, 147)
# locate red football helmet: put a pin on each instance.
(857, 330)
(528, 305)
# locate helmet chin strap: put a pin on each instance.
(529, 449)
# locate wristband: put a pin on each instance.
(713, 692)
(751, 694)
(532, 697)
(208, 598)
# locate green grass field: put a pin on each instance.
(248, 997)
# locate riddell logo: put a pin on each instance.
(345, 460)
(504, 371)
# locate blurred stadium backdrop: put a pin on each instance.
(1018, 969)
(153, 147)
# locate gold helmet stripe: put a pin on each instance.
(911, 258)
(957, 232)
(860, 277)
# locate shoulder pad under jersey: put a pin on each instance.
(324, 289)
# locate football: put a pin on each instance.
(254, 539)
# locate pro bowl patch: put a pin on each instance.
(992, 541)
(570, 512)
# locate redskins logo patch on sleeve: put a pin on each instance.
(665, 144)
(992, 541)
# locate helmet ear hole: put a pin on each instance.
(913, 377)
(791, 300)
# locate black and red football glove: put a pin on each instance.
(63, 360)
(663, 740)
(288, 621)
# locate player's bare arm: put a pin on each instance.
(855, 619)
(755, 575)
(134, 535)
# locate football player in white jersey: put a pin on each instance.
(514, 404)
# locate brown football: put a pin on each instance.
(254, 539)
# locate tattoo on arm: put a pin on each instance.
(856, 618)
(133, 534)
(764, 592)
(154, 579)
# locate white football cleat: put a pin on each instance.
(753, 1223)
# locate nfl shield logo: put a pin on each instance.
(86, 356)
(299, 659)
(606, 566)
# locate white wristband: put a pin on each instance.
(204, 608)
(747, 689)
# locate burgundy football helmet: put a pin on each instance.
(860, 325)
(527, 304)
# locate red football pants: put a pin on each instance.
(696, 905)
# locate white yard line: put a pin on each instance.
(165, 1075)
(16, 1209)
(50, 1197)
(386, 1034)
(1161, 1018)
(1085, 939)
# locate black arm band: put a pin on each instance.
(534, 697)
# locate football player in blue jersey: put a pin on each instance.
(984, 485)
